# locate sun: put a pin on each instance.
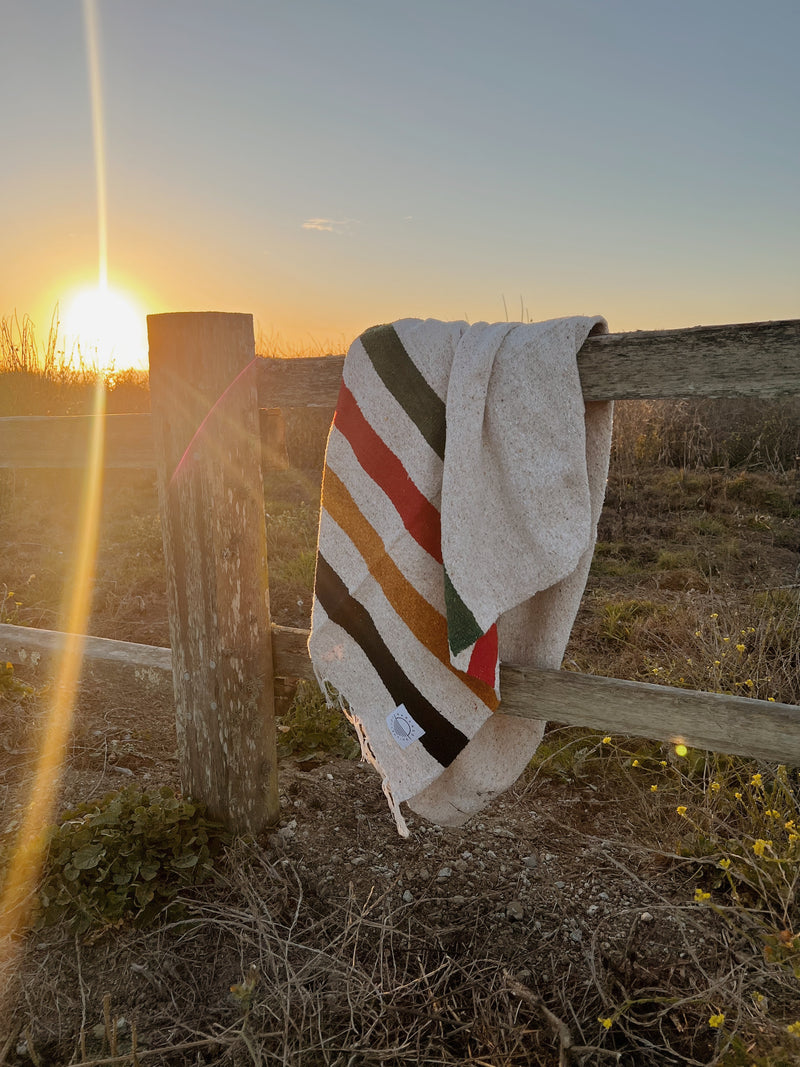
(106, 327)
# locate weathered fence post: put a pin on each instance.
(208, 452)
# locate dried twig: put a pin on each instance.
(567, 1047)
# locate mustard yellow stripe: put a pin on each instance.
(427, 624)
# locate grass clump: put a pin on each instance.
(126, 858)
(10, 686)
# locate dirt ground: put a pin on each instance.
(548, 898)
(506, 942)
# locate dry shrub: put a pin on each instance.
(707, 433)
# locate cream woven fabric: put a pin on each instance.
(463, 483)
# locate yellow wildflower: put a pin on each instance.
(697, 633)
(635, 763)
(606, 1023)
(714, 615)
(715, 1021)
(756, 780)
(771, 700)
(793, 838)
(789, 824)
(772, 813)
(740, 648)
(700, 895)
(738, 796)
(759, 845)
(749, 683)
(663, 762)
(725, 864)
(681, 809)
(794, 1029)
(606, 740)
(715, 787)
(653, 788)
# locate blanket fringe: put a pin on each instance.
(367, 754)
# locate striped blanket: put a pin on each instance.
(463, 482)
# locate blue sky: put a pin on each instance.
(329, 165)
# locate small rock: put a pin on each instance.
(592, 909)
(515, 911)
(576, 935)
(603, 896)
(561, 885)
(445, 872)
(423, 873)
(531, 862)
(458, 899)
(408, 896)
(289, 830)
(646, 917)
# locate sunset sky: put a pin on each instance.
(331, 164)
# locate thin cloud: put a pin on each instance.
(328, 225)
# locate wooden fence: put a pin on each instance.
(215, 425)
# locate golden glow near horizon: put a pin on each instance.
(105, 327)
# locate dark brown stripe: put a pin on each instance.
(441, 739)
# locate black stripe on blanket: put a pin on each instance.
(400, 375)
(441, 740)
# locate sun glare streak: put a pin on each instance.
(27, 857)
(196, 436)
(98, 138)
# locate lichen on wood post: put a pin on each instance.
(208, 453)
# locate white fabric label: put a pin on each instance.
(402, 727)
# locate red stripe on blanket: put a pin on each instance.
(418, 515)
(483, 661)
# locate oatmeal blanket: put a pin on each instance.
(464, 477)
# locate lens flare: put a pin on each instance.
(98, 138)
(26, 860)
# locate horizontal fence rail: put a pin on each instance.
(739, 726)
(759, 359)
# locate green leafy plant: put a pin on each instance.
(126, 858)
(311, 728)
